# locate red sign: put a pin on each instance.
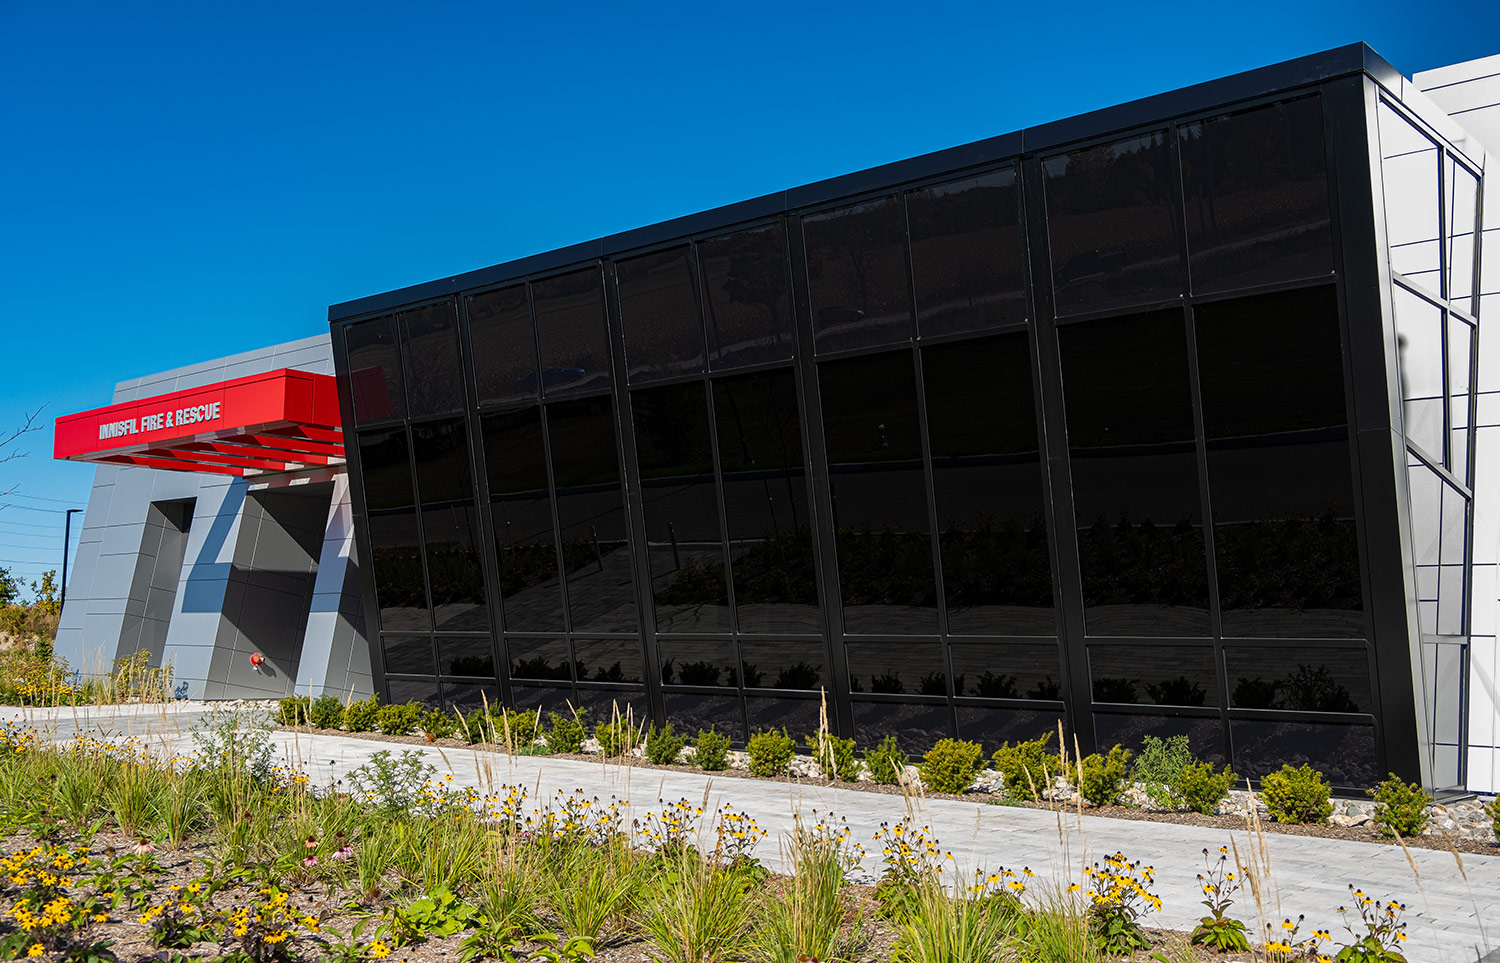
(281, 420)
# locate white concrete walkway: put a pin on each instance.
(1452, 918)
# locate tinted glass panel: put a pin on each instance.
(570, 332)
(986, 467)
(1300, 679)
(798, 716)
(683, 540)
(1257, 196)
(591, 507)
(966, 254)
(516, 462)
(465, 656)
(411, 655)
(606, 704)
(1006, 671)
(1272, 379)
(434, 379)
(399, 587)
(879, 494)
(425, 691)
(916, 726)
(450, 525)
(897, 668)
(1135, 476)
(663, 333)
(765, 503)
(747, 298)
(991, 727)
(538, 658)
(783, 665)
(1111, 226)
(698, 663)
(1345, 754)
(375, 370)
(503, 346)
(690, 712)
(1419, 346)
(608, 661)
(1205, 736)
(1164, 675)
(386, 471)
(857, 277)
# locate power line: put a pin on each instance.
(28, 525)
(28, 508)
(40, 498)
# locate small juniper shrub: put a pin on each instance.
(1400, 807)
(1026, 766)
(398, 720)
(711, 750)
(1296, 795)
(664, 744)
(326, 712)
(1201, 789)
(515, 727)
(1120, 896)
(360, 716)
(770, 752)
(619, 737)
(566, 732)
(886, 762)
(951, 765)
(1102, 778)
(438, 724)
(474, 726)
(835, 756)
(1219, 931)
(1493, 811)
(291, 711)
(1158, 767)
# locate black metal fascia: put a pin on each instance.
(1259, 82)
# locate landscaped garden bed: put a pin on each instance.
(223, 855)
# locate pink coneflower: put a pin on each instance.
(143, 847)
(310, 861)
(343, 852)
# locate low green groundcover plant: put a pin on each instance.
(951, 765)
(1400, 807)
(770, 752)
(711, 750)
(1296, 795)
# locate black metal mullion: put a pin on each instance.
(1052, 423)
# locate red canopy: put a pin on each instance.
(282, 420)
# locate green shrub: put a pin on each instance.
(398, 720)
(711, 751)
(438, 724)
(1159, 766)
(1296, 795)
(360, 716)
(835, 757)
(617, 738)
(770, 752)
(1104, 778)
(1201, 789)
(291, 711)
(1493, 811)
(1026, 766)
(886, 762)
(520, 727)
(1400, 807)
(474, 727)
(566, 733)
(664, 744)
(326, 712)
(950, 765)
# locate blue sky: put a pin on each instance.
(183, 181)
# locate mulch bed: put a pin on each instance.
(1360, 834)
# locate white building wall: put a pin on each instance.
(1470, 94)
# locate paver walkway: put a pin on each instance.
(1452, 918)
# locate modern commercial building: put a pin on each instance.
(1167, 418)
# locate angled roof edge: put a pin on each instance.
(1302, 71)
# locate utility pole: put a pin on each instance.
(62, 598)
